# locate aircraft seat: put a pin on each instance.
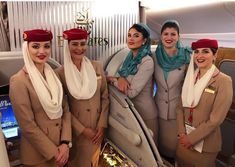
(11, 62)
(225, 61)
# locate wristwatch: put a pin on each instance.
(69, 143)
(114, 80)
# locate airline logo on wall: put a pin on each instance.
(83, 21)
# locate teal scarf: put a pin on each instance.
(129, 66)
(168, 63)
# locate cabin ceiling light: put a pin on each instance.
(104, 8)
(159, 5)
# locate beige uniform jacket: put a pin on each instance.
(40, 135)
(90, 113)
(209, 113)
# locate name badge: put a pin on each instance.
(198, 147)
(210, 89)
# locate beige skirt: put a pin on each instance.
(85, 156)
(50, 163)
(167, 138)
(191, 158)
(153, 125)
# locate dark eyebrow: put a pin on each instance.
(137, 33)
(35, 43)
(77, 41)
(205, 49)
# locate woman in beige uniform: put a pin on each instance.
(37, 98)
(85, 84)
(206, 98)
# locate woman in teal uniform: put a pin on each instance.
(171, 60)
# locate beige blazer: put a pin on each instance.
(209, 113)
(168, 92)
(90, 113)
(141, 89)
(40, 135)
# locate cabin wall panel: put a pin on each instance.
(110, 23)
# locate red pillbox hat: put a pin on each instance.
(75, 34)
(205, 43)
(38, 35)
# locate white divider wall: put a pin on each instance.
(110, 23)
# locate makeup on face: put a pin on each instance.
(77, 48)
(39, 51)
(135, 39)
(169, 37)
(203, 58)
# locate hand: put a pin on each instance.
(111, 79)
(123, 85)
(63, 155)
(56, 157)
(183, 140)
(97, 139)
(89, 133)
(9, 145)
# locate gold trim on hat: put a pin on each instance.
(25, 36)
(65, 36)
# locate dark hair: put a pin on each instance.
(170, 25)
(214, 50)
(140, 29)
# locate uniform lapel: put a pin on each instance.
(213, 78)
(160, 75)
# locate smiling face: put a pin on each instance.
(77, 49)
(203, 58)
(135, 39)
(169, 37)
(39, 51)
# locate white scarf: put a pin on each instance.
(49, 91)
(191, 93)
(81, 84)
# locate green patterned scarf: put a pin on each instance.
(168, 63)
